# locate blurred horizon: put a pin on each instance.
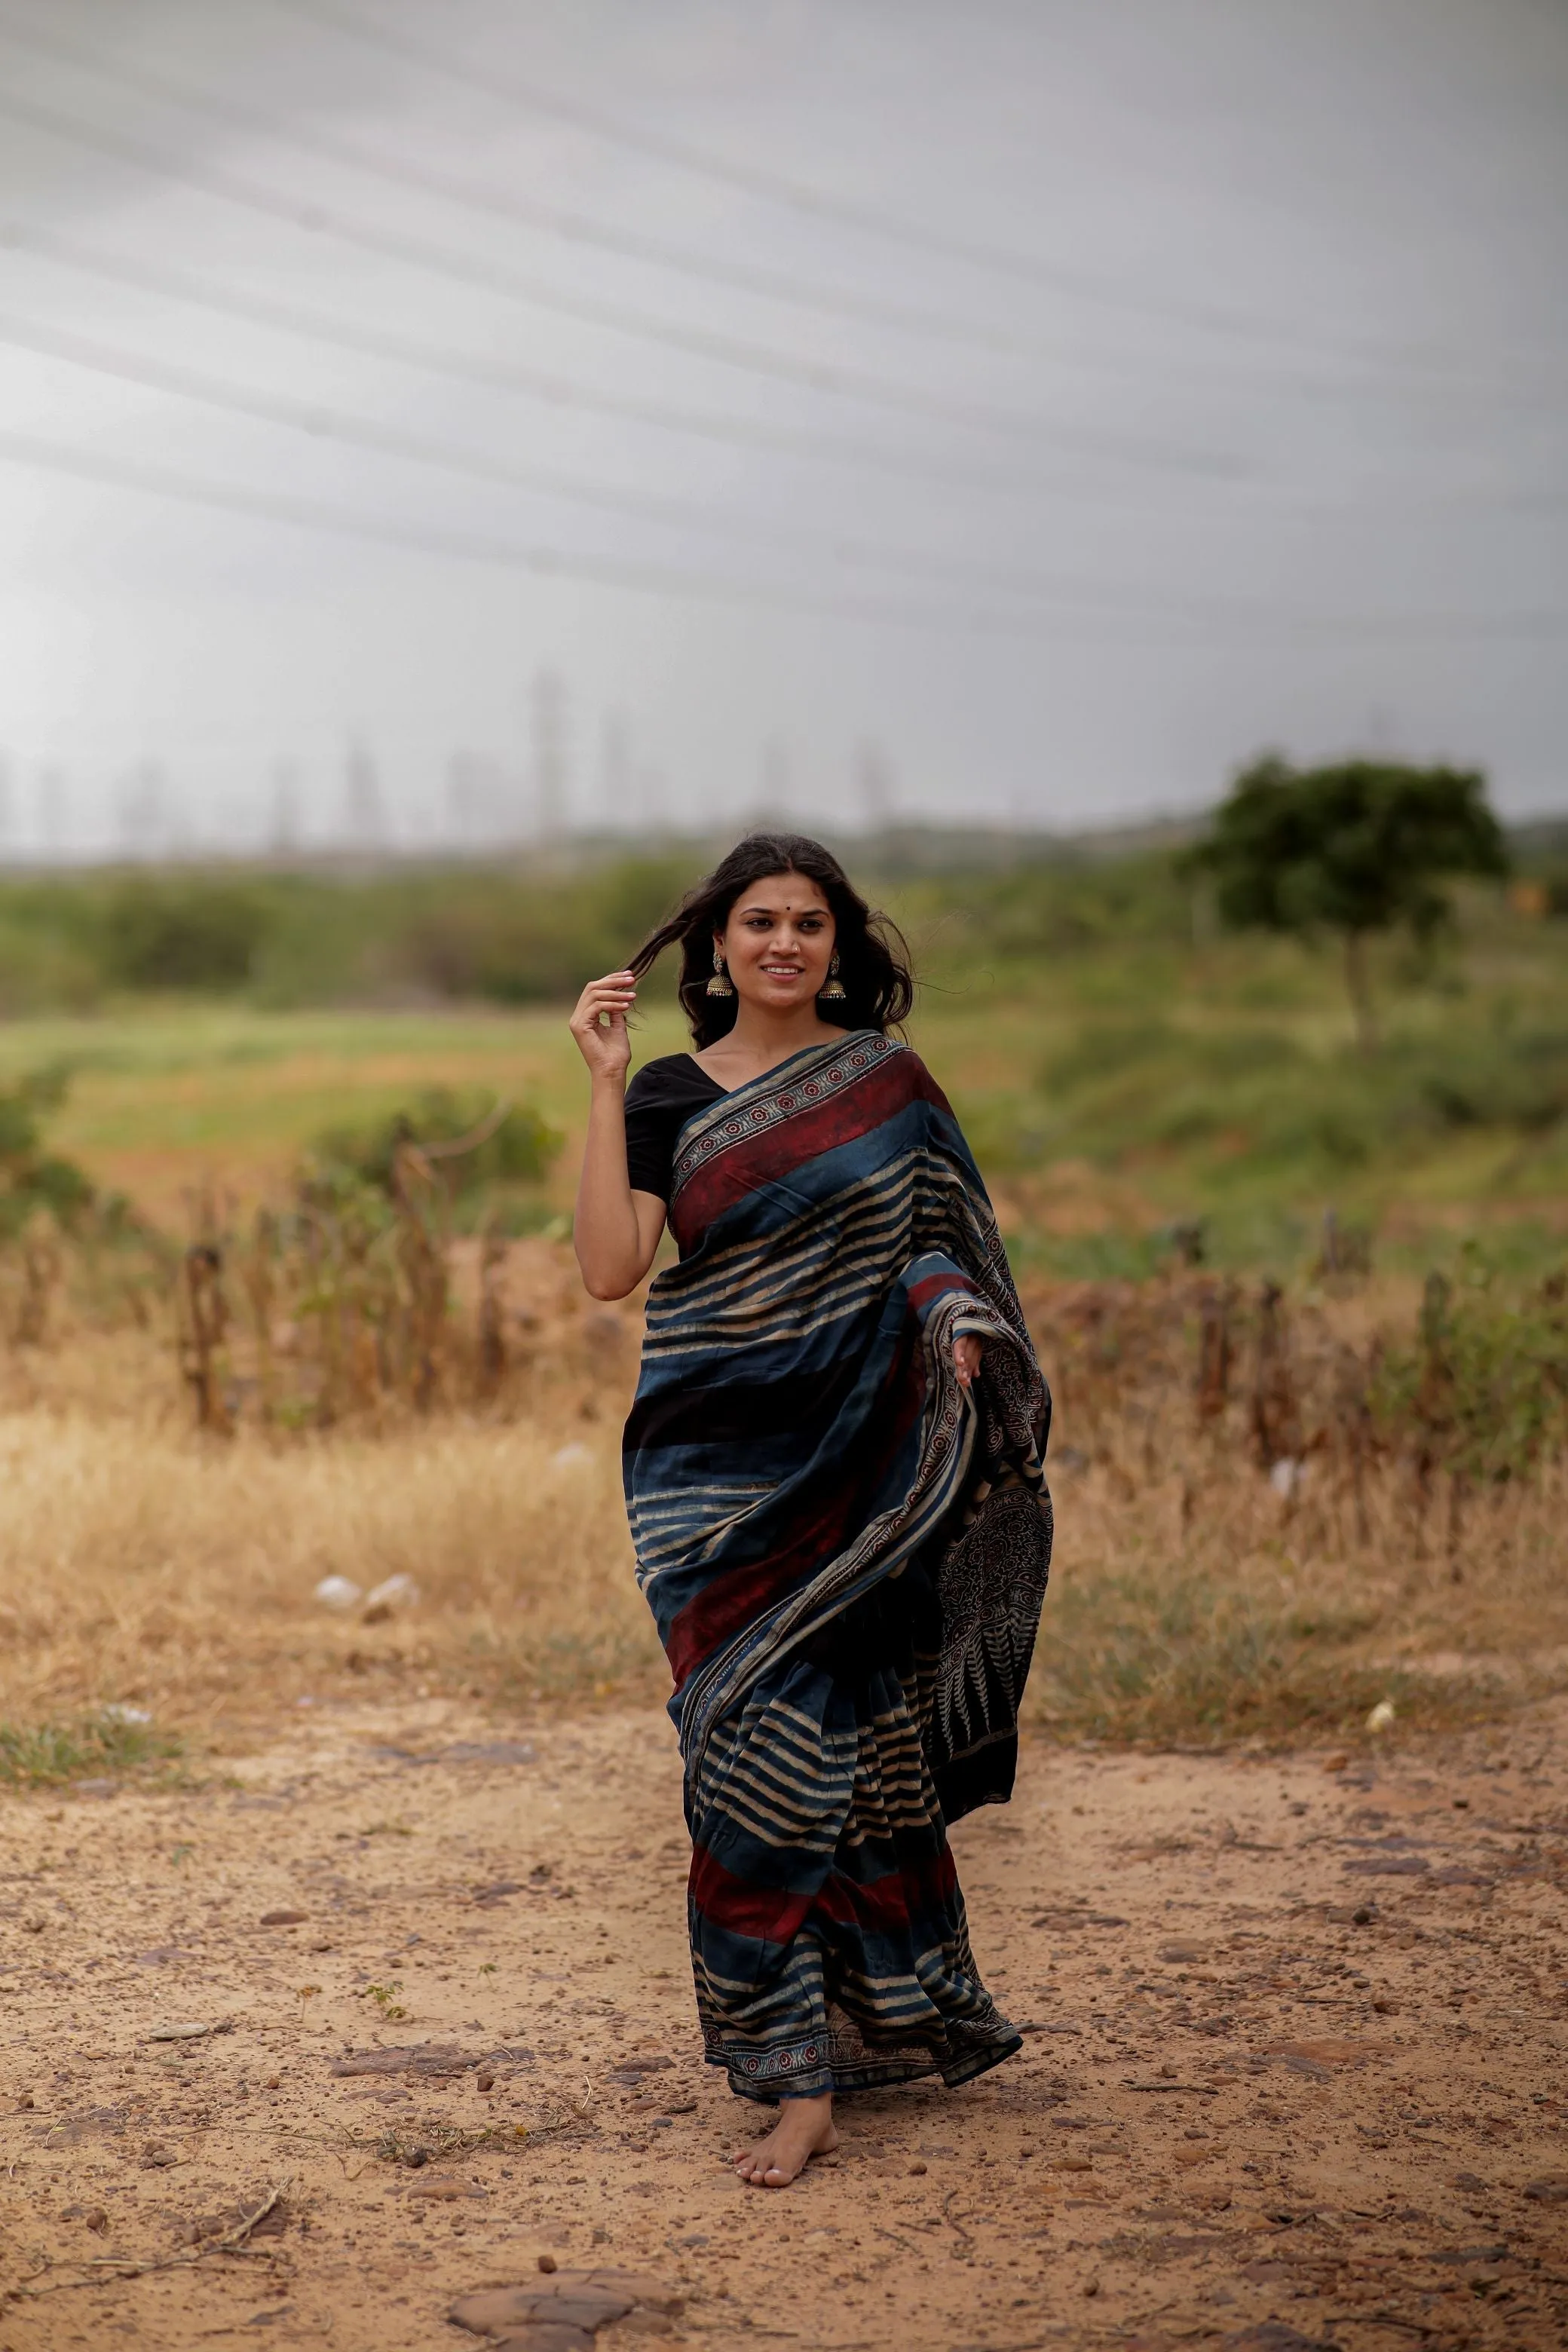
(954, 849)
(879, 845)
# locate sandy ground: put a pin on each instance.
(1294, 2072)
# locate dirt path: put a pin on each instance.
(1295, 2071)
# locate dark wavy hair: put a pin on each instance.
(873, 959)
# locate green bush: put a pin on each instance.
(1509, 1080)
(194, 936)
(31, 1177)
(1481, 1390)
(511, 1156)
(514, 938)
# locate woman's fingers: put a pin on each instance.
(617, 990)
(598, 1022)
(592, 1008)
(966, 1357)
(613, 996)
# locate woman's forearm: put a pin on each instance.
(606, 1233)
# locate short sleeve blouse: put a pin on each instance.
(660, 1100)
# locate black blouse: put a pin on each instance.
(660, 1100)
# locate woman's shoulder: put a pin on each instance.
(918, 1083)
(898, 1053)
(670, 1078)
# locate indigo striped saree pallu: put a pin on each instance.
(846, 1554)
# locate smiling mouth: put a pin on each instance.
(784, 970)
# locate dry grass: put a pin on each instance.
(1197, 1597)
(1203, 1606)
(141, 1563)
(144, 1563)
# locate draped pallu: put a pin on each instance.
(846, 1553)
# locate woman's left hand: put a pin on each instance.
(966, 1355)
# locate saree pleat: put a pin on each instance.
(846, 1554)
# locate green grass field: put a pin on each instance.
(1121, 1072)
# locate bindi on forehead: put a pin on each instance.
(803, 899)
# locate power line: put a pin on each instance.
(514, 378)
(504, 86)
(324, 423)
(491, 375)
(554, 220)
(392, 441)
(314, 514)
(494, 278)
(546, 562)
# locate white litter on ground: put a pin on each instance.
(398, 1592)
(338, 1593)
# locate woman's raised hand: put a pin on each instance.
(599, 1025)
(966, 1355)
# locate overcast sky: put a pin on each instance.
(434, 419)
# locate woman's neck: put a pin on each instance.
(758, 1043)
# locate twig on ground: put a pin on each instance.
(953, 2223)
(894, 2238)
(122, 2267)
(242, 2229)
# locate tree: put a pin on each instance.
(1359, 848)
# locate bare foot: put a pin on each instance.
(804, 2129)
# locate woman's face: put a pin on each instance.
(778, 942)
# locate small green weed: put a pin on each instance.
(43, 1755)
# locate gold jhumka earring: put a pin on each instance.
(721, 984)
(832, 990)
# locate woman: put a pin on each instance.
(833, 1471)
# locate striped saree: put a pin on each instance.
(846, 1554)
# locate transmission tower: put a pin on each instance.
(141, 817)
(285, 807)
(550, 782)
(364, 813)
(617, 786)
(876, 787)
(773, 807)
(462, 799)
(54, 808)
